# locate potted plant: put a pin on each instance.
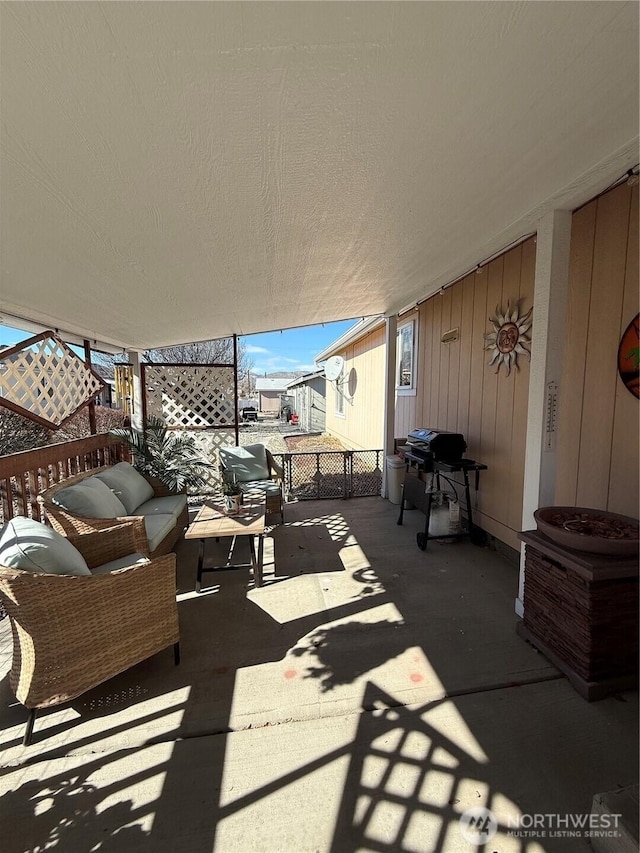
(232, 493)
(171, 456)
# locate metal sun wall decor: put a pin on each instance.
(629, 357)
(509, 337)
(44, 380)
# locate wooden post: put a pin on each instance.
(391, 330)
(93, 429)
(235, 387)
(547, 351)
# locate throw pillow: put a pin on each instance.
(33, 547)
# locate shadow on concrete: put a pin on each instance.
(351, 610)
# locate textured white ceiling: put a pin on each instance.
(179, 171)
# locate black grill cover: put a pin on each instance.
(445, 446)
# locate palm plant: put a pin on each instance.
(172, 457)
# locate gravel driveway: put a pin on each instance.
(269, 433)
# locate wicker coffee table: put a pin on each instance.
(212, 521)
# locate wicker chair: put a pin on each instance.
(256, 470)
(70, 524)
(72, 633)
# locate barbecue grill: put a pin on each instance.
(426, 445)
(440, 453)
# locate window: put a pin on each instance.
(405, 358)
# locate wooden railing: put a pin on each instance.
(24, 475)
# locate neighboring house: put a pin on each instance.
(107, 395)
(269, 391)
(589, 426)
(355, 400)
(309, 393)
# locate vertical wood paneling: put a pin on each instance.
(407, 420)
(489, 409)
(571, 390)
(466, 336)
(445, 357)
(510, 295)
(625, 461)
(423, 370)
(453, 390)
(478, 329)
(490, 454)
(607, 288)
(598, 418)
(521, 395)
(423, 403)
(434, 368)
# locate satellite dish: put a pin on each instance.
(333, 367)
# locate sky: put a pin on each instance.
(291, 349)
(271, 352)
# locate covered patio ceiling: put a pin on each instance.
(179, 171)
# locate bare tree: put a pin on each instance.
(218, 351)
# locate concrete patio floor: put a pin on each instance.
(362, 700)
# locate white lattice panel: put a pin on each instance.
(190, 395)
(44, 380)
(208, 444)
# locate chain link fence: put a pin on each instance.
(334, 474)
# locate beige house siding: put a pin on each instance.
(598, 425)
(362, 426)
(458, 390)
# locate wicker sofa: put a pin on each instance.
(82, 608)
(111, 495)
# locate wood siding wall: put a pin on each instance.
(598, 425)
(457, 390)
(362, 427)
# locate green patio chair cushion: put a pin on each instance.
(128, 485)
(247, 463)
(267, 487)
(31, 546)
(90, 498)
(157, 527)
(120, 563)
(168, 505)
